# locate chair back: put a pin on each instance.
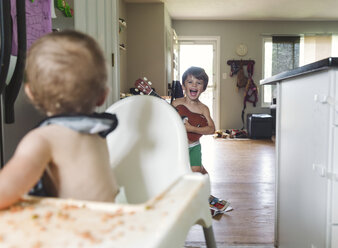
(149, 148)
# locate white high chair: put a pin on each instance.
(149, 156)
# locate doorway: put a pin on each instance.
(203, 52)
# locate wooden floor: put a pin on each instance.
(242, 172)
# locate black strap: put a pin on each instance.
(12, 89)
(243, 111)
(5, 42)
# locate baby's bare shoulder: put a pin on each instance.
(36, 134)
(49, 131)
(34, 142)
(56, 135)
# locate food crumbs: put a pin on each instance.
(35, 216)
(14, 209)
(42, 228)
(63, 216)
(37, 245)
(69, 206)
(120, 222)
(48, 215)
(89, 236)
(106, 217)
(106, 230)
(142, 228)
(148, 207)
(10, 222)
(160, 197)
(119, 212)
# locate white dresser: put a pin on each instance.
(307, 156)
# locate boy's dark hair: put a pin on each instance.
(198, 73)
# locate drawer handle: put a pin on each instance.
(322, 171)
(326, 100)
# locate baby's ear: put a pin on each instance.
(29, 92)
(102, 98)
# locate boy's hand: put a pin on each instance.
(188, 126)
(186, 123)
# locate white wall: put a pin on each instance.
(249, 32)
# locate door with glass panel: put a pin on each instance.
(201, 53)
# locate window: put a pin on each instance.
(281, 53)
(285, 53)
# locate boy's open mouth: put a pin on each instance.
(193, 92)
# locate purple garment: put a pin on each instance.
(38, 21)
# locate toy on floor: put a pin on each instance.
(218, 206)
(231, 133)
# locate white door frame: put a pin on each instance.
(217, 41)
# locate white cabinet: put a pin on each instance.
(335, 180)
(307, 156)
(100, 20)
(334, 242)
(175, 62)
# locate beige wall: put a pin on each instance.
(251, 33)
(146, 44)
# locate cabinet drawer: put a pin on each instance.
(335, 203)
(334, 180)
(334, 237)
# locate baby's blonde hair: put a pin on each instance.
(66, 73)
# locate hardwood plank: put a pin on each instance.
(242, 172)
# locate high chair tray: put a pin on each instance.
(51, 222)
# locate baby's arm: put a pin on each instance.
(209, 129)
(24, 169)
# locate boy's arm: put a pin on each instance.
(210, 129)
(24, 169)
(175, 102)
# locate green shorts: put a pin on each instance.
(195, 155)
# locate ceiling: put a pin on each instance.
(288, 10)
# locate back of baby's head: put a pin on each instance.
(66, 73)
(198, 73)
